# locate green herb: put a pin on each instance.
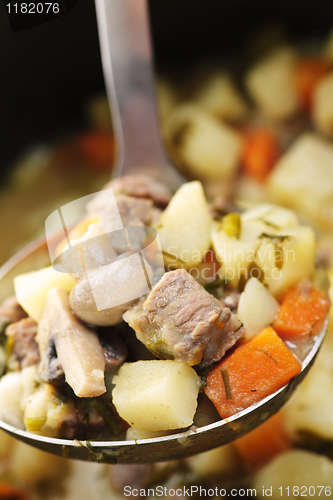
(225, 378)
(267, 354)
(215, 284)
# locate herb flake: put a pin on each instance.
(267, 354)
(225, 378)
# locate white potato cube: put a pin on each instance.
(271, 85)
(11, 393)
(273, 216)
(32, 466)
(257, 308)
(310, 410)
(237, 255)
(184, 228)
(323, 105)
(221, 460)
(220, 97)
(286, 257)
(202, 145)
(156, 395)
(31, 288)
(296, 468)
(302, 179)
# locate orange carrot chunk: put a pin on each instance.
(264, 442)
(260, 153)
(303, 311)
(307, 75)
(250, 373)
(9, 492)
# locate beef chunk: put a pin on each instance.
(180, 320)
(138, 186)
(10, 312)
(134, 475)
(23, 345)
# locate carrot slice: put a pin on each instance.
(303, 311)
(264, 442)
(307, 75)
(9, 492)
(260, 153)
(250, 373)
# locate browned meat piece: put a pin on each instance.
(114, 349)
(23, 345)
(180, 320)
(134, 476)
(138, 186)
(10, 312)
(133, 212)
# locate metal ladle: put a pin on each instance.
(126, 54)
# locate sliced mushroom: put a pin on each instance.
(77, 346)
(103, 295)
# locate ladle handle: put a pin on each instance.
(126, 51)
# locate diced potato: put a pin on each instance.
(271, 85)
(257, 308)
(310, 410)
(185, 225)
(221, 460)
(295, 469)
(32, 466)
(44, 412)
(236, 254)
(273, 216)
(285, 257)
(31, 288)
(323, 105)
(220, 97)
(302, 179)
(11, 392)
(156, 395)
(203, 146)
